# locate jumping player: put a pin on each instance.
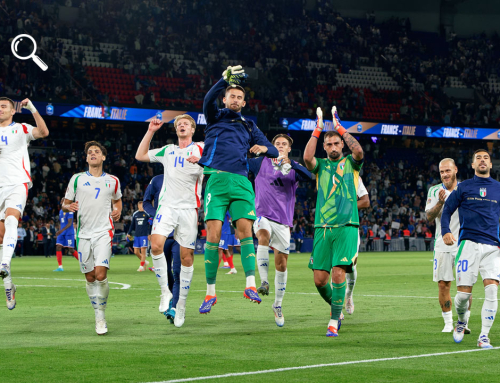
(15, 180)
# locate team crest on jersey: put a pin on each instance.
(14, 131)
(482, 192)
(342, 166)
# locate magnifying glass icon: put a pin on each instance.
(38, 61)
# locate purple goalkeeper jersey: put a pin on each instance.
(275, 193)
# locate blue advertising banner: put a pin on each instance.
(360, 127)
(111, 113)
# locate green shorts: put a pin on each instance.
(229, 191)
(334, 246)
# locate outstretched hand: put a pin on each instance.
(155, 124)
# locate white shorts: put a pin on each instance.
(280, 234)
(184, 222)
(443, 265)
(13, 196)
(475, 257)
(95, 251)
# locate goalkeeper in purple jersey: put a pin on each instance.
(276, 181)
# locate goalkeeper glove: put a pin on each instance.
(319, 123)
(234, 75)
(337, 124)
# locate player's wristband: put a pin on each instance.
(341, 130)
(316, 133)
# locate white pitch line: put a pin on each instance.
(124, 286)
(319, 366)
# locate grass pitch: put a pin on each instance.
(50, 336)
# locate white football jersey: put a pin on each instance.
(14, 158)
(432, 200)
(183, 180)
(94, 196)
(361, 189)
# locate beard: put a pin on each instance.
(236, 109)
(451, 181)
(334, 156)
(485, 171)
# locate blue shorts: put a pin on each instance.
(227, 240)
(141, 241)
(66, 240)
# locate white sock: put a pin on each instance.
(102, 297)
(351, 281)
(447, 316)
(263, 262)
(1, 252)
(161, 270)
(280, 286)
(467, 317)
(461, 304)
(9, 239)
(489, 310)
(186, 276)
(251, 281)
(211, 290)
(91, 288)
(333, 323)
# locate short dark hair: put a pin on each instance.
(9, 100)
(480, 151)
(95, 143)
(332, 133)
(239, 87)
(289, 139)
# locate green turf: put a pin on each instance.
(50, 335)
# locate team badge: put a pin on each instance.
(342, 166)
(482, 192)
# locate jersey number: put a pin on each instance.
(4, 139)
(158, 217)
(98, 191)
(462, 264)
(180, 161)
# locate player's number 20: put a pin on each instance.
(463, 265)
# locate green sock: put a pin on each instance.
(326, 292)
(211, 262)
(338, 296)
(248, 256)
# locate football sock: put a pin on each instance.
(143, 263)
(263, 262)
(351, 281)
(326, 292)
(211, 289)
(338, 296)
(211, 264)
(102, 297)
(250, 281)
(75, 254)
(248, 257)
(230, 261)
(448, 317)
(461, 304)
(467, 316)
(91, 288)
(59, 258)
(280, 286)
(333, 323)
(9, 239)
(1, 252)
(161, 270)
(489, 309)
(186, 277)
(224, 257)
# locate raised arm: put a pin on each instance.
(310, 149)
(210, 108)
(41, 129)
(301, 173)
(352, 143)
(261, 145)
(142, 150)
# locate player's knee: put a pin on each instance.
(444, 285)
(101, 275)
(156, 247)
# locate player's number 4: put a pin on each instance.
(4, 139)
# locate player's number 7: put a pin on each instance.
(98, 191)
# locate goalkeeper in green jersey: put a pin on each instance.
(336, 223)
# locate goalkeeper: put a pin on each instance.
(228, 138)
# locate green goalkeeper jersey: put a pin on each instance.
(337, 183)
